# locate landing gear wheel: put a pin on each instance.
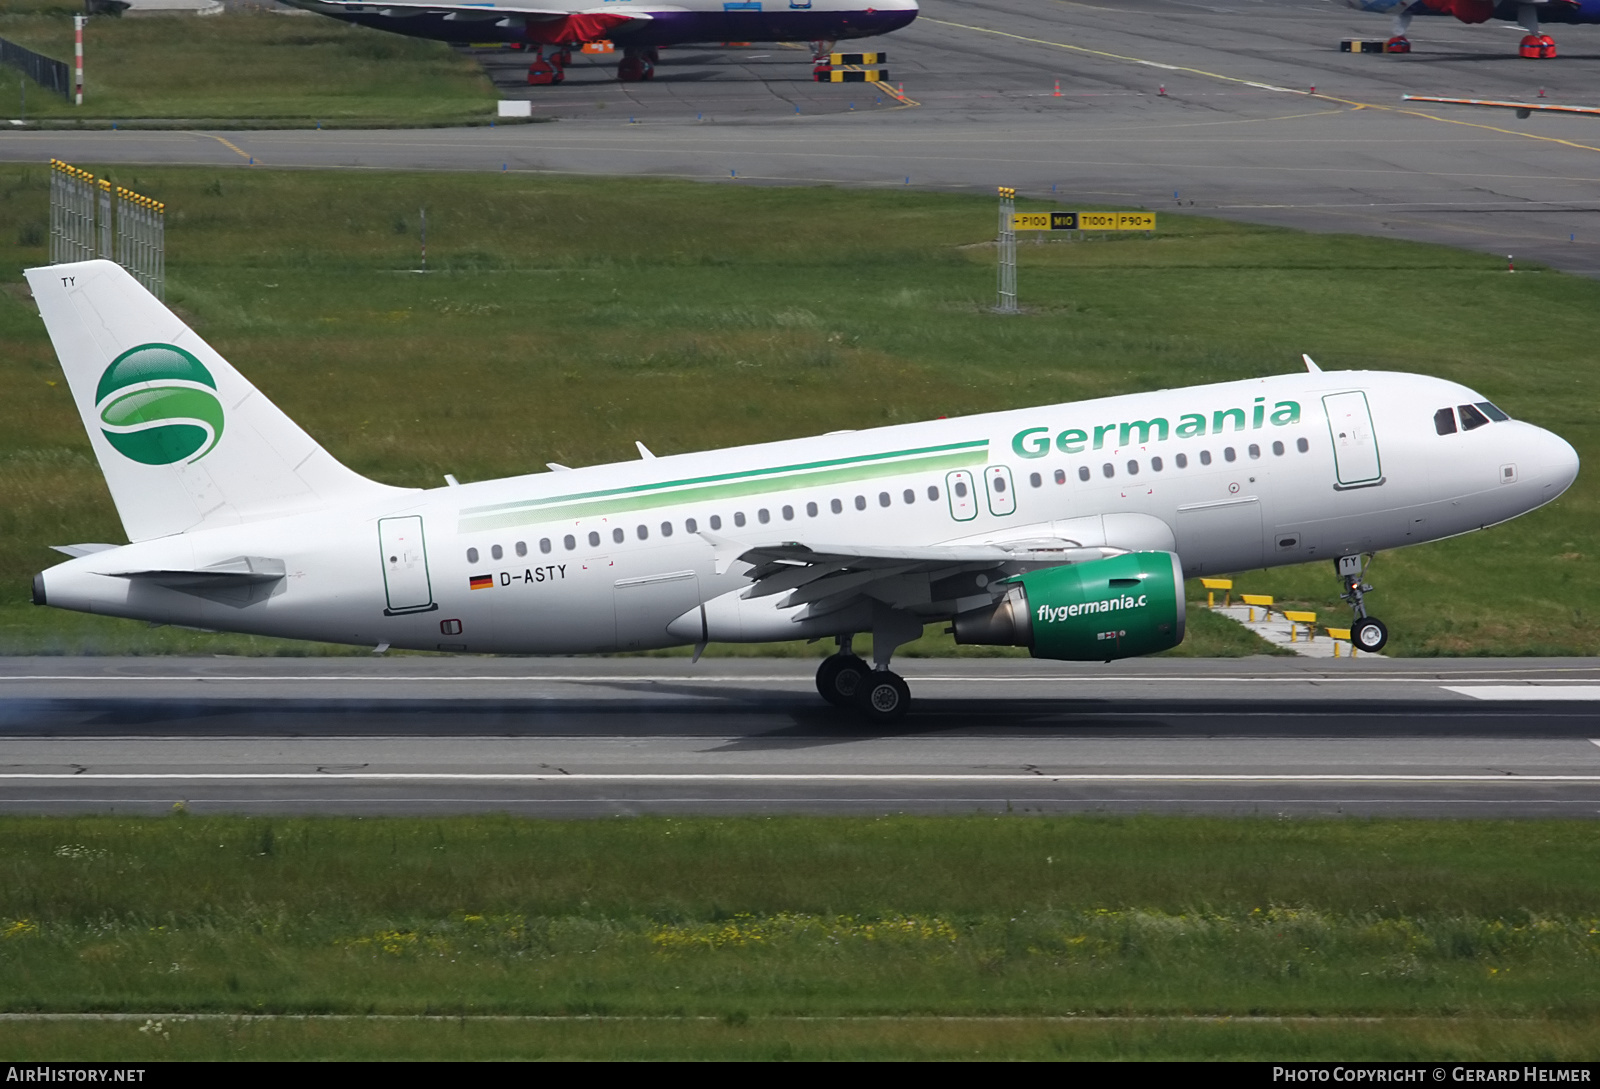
(884, 697)
(1537, 47)
(637, 66)
(1369, 634)
(541, 73)
(839, 679)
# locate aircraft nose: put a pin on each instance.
(1558, 464)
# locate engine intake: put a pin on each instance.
(1118, 607)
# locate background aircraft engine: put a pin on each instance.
(1087, 612)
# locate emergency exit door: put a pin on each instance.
(405, 565)
(1355, 446)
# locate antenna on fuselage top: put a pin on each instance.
(1311, 364)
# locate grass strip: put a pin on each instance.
(260, 69)
(757, 918)
(564, 318)
(736, 1037)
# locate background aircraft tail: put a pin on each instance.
(184, 440)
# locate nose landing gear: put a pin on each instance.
(1367, 633)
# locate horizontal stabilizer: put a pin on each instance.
(77, 550)
(239, 571)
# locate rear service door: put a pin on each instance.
(1355, 446)
(405, 565)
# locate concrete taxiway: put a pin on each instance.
(1262, 119)
(595, 737)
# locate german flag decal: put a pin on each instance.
(481, 582)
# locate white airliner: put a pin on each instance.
(1065, 528)
(637, 28)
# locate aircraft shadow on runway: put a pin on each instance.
(757, 718)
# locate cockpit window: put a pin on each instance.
(1444, 422)
(1492, 412)
(1471, 418)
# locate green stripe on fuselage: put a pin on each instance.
(724, 486)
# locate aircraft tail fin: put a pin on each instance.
(184, 440)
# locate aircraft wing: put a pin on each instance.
(938, 579)
(1524, 109)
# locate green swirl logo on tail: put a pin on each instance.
(158, 405)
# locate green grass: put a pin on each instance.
(248, 69)
(1487, 931)
(565, 318)
(758, 1039)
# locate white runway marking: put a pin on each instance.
(1587, 692)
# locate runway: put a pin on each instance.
(1262, 120)
(602, 737)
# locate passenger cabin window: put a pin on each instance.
(643, 532)
(763, 516)
(472, 555)
(910, 496)
(1133, 468)
(1444, 422)
(861, 501)
(1255, 451)
(716, 521)
(1083, 472)
(1033, 478)
(1155, 465)
(836, 506)
(1181, 460)
(1277, 449)
(1471, 418)
(1205, 457)
(1228, 454)
(666, 529)
(1061, 476)
(1302, 445)
(522, 548)
(811, 510)
(1492, 412)
(788, 514)
(883, 499)
(617, 536)
(594, 540)
(691, 526)
(738, 517)
(544, 545)
(569, 542)
(933, 493)
(1109, 470)
(496, 551)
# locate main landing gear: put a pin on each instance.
(1535, 46)
(553, 69)
(1367, 633)
(638, 64)
(845, 680)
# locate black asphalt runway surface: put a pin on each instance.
(585, 738)
(1262, 119)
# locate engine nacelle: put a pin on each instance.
(1118, 607)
